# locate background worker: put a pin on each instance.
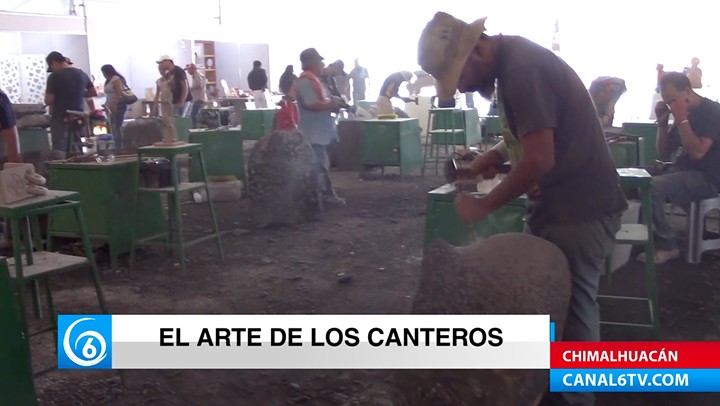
(390, 89)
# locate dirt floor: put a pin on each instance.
(377, 239)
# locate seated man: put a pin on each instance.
(696, 172)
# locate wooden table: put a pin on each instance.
(344, 153)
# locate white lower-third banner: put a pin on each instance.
(304, 341)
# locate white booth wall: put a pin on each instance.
(619, 38)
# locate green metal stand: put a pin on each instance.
(34, 139)
(492, 130)
(450, 127)
(224, 152)
(628, 154)
(108, 198)
(649, 132)
(257, 123)
(173, 238)
(182, 128)
(16, 378)
(38, 265)
(391, 143)
(442, 222)
(639, 234)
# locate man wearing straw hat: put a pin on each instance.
(555, 143)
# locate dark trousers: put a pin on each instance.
(680, 188)
(58, 134)
(116, 122)
(324, 182)
(586, 247)
(195, 112)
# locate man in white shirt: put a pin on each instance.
(197, 91)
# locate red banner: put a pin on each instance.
(616, 355)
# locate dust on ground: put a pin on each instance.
(376, 239)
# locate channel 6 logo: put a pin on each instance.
(85, 341)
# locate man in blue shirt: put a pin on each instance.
(8, 130)
(317, 124)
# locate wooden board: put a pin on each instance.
(169, 144)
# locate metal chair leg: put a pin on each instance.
(19, 279)
(51, 311)
(213, 216)
(694, 231)
(133, 226)
(87, 247)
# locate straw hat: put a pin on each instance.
(444, 46)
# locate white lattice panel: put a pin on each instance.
(33, 73)
(10, 77)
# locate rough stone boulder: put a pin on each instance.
(25, 109)
(504, 274)
(142, 132)
(33, 121)
(283, 180)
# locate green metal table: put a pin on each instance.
(628, 154)
(649, 132)
(182, 128)
(257, 123)
(466, 120)
(442, 222)
(16, 378)
(344, 153)
(34, 139)
(37, 265)
(223, 151)
(108, 197)
(391, 143)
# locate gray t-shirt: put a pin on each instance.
(68, 86)
(358, 76)
(318, 127)
(539, 90)
(705, 122)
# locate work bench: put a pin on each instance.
(223, 151)
(391, 143)
(442, 221)
(108, 197)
